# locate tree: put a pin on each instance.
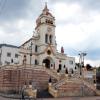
(88, 67)
(77, 64)
(98, 69)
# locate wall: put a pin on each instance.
(70, 66)
(11, 50)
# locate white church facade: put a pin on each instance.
(40, 50)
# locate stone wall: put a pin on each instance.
(13, 79)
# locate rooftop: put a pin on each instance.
(8, 45)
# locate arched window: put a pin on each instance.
(50, 38)
(36, 62)
(64, 66)
(36, 48)
(46, 38)
(12, 61)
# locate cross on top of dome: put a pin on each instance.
(46, 8)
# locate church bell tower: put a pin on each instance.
(45, 27)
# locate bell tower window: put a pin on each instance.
(50, 38)
(46, 38)
(49, 21)
(36, 48)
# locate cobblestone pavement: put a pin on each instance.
(67, 98)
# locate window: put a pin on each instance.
(64, 66)
(12, 61)
(48, 52)
(49, 21)
(7, 63)
(71, 62)
(46, 38)
(8, 54)
(16, 55)
(36, 48)
(50, 38)
(36, 62)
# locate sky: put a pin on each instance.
(77, 24)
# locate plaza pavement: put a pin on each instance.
(67, 98)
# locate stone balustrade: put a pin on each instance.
(52, 91)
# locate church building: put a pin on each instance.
(41, 49)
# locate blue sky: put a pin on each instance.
(77, 24)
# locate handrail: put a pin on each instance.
(52, 73)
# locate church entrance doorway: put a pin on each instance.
(47, 63)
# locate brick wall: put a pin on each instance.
(14, 79)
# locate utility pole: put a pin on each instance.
(81, 60)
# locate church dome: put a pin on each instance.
(45, 15)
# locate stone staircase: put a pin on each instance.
(76, 74)
(61, 86)
(92, 87)
(72, 87)
(52, 73)
(14, 78)
(39, 78)
(65, 88)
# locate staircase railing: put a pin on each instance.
(52, 73)
(91, 86)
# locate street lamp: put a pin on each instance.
(81, 60)
(84, 54)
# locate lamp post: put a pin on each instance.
(84, 54)
(81, 60)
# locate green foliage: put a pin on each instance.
(88, 67)
(98, 69)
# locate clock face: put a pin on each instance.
(49, 29)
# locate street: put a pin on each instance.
(67, 98)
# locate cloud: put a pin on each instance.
(15, 9)
(17, 20)
(78, 30)
(77, 24)
(86, 4)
